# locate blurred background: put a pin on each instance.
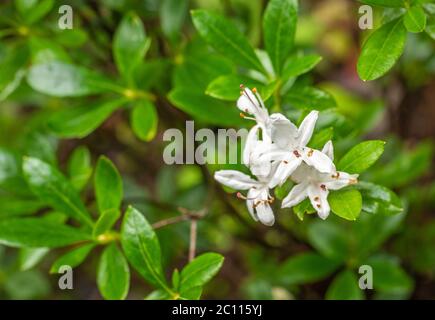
(398, 108)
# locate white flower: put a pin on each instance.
(250, 102)
(289, 148)
(316, 185)
(258, 199)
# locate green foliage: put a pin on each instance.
(128, 71)
(381, 50)
(361, 157)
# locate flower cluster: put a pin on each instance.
(276, 150)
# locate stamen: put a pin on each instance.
(296, 153)
(242, 86)
(242, 115)
(254, 90)
(336, 175)
(323, 187)
(241, 196)
(316, 198)
(285, 161)
(310, 152)
(319, 206)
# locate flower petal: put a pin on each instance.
(318, 160)
(235, 179)
(306, 128)
(297, 194)
(319, 200)
(340, 180)
(284, 170)
(252, 194)
(282, 131)
(328, 149)
(265, 214)
(251, 141)
(248, 102)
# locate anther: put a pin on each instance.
(254, 90)
(323, 187)
(310, 152)
(296, 153)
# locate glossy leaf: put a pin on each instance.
(204, 108)
(361, 157)
(79, 121)
(129, 44)
(54, 189)
(113, 275)
(66, 80)
(72, 258)
(224, 36)
(346, 203)
(79, 167)
(329, 239)
(200, 270)
(295, 66)
(39, 232)
(344, 287)
(381, 50)
(309, 98)
(415, 19)
(142, 248)
(144, 120)
(279, 28)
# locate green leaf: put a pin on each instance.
(172, 16)
(142, 248)
(361, 156)
(79, 121)
(321, 137)
(144, 120)
(73, 258)
(329, 239)
(227, 87)
(45, 50)
(224, 36)
(13, 70)
(297, 65)
(381, 50)
(303, 208)
(204, 108)
(279, 28)
(345, 287)
(430, 27)
(33, 11)
(306, 268)
(30, 257)
(159, 295)
(379, 199)
(415, 19)
(193, 293)
(66, 80)
(109, 193)
(113, 275)
(385, 3)
(108, 185)
(39, 232)
(130, 44)
(79, 167)
(346, 203)
(389, 277)
(309, 98)
(199, 271)
(54, 189)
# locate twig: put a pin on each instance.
(169, 221)
(192, 246)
